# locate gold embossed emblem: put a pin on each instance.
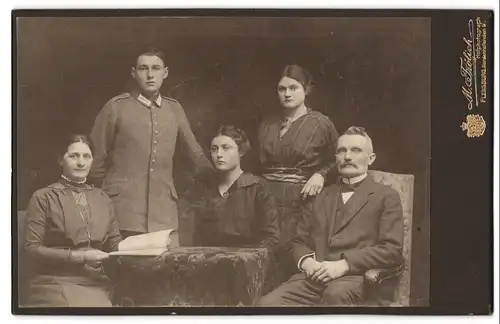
(475, 125)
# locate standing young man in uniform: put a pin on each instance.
(135, 136)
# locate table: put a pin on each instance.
(193, 276)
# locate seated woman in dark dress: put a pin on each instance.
(239, 210)
(70, 227)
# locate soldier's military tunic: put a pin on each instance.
(135, 141)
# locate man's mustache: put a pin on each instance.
(343, 165)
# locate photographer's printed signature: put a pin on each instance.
(474, 88)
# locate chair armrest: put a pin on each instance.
(377, 276)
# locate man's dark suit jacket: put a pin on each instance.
(369, 235)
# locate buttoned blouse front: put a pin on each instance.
(54, 226)
(245, 216)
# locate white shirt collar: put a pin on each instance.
(355, 179)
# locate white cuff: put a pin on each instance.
(312, 254)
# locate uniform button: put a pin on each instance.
(156, 142)
(156, 132)
(154, 115)
(151, 169)
(154, 160)
(154, 151)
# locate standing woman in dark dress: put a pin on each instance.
(70, 228)
(297, 148)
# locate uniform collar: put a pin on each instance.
(145, 101)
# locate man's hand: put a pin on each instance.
(310, 266)
(330, 270)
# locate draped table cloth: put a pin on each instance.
(192, 276)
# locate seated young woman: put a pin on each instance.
(239, 210)
(70, 228)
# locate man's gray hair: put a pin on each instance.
(358, 130)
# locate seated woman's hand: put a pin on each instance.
(95, 255)
(91, 257)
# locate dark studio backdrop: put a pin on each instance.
(372, 72)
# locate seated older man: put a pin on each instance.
(351, 227)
